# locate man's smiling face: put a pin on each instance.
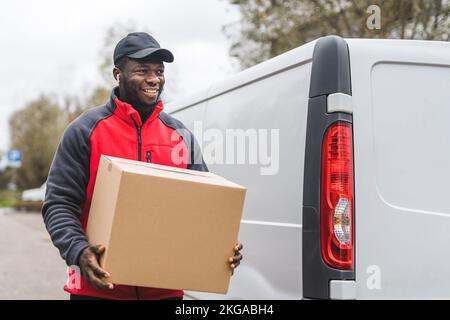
(141, 82)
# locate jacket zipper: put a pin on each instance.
(139, 143)
(139, 138)
(149, 156)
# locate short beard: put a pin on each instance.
(136, 103)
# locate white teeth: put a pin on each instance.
(151, 90)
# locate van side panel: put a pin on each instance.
(401, 119)
(268, 104)
(271, 227)
(192, 115)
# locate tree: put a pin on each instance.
(99, 96)
(271, 27)
(36, 130)
(5, 177)
(113, 35)
(73, 108)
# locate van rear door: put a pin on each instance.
(401, 123)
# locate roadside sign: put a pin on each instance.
(14, 158)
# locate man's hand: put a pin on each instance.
(90, 268)
(236, 260)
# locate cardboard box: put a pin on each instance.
(165, 227)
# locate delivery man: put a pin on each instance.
(132, 125)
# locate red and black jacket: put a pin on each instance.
(114, 129)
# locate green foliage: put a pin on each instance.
(271, 27)
(8, 198)
(99, 96)
(5, 177)
(36, 130)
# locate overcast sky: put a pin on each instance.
(53, 46)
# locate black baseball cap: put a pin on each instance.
(138, 45)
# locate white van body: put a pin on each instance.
(37, 194)
(396, 94)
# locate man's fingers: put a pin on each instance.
(98, 270)
(233, 267)
(100, 274)
(95, 274)
(236, 258)
(97, 282)
(98, 249)
(92, 261)
(235, 261)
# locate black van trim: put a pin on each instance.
(330, 67)
(330, 74)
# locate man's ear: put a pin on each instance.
(116, 73)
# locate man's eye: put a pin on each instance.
(160, 72)
(141, 70)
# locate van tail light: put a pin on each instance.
(336, 203)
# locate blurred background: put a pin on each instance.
(56, 63)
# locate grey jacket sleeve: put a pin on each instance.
(196, 161)
(66, 188)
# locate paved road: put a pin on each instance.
(30, 266)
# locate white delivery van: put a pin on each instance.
(351, 201)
